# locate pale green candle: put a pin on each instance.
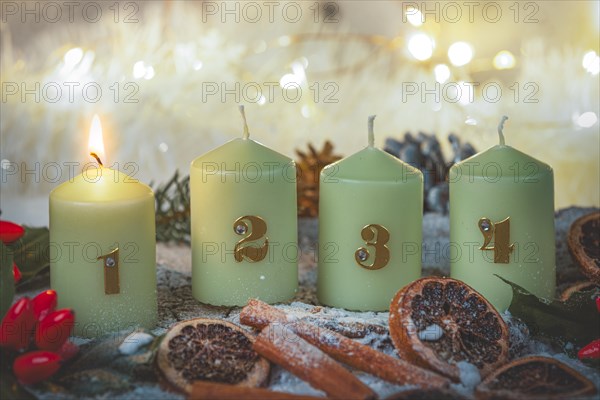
(91, 216)
(244, 226)
(502, 223)
(370, 229)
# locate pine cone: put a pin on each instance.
(309, 166)
(424, 152)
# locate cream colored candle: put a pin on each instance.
(370, 229)
(244, 224)
(502, 223)
(103, 249)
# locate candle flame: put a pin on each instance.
(96, 143)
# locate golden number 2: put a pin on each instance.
(500, 232)
(377, 237)
(255, 228)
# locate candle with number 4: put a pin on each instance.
(370, 217)
(502, 223)
(244, 228)
(103, 247)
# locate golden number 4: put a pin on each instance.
(255, 228)
(500, 233)
(110, 262)
(377, 237)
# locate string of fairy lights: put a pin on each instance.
(77, 62)
(169, 58)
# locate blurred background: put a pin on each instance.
(165, 78)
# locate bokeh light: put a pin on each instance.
(504, 60)
(460, 53)
(591, 62)
(414, 16)
(421, 46)
(442, 73)
(587, 119)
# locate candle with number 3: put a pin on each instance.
(370, 217)
(244, 228)
(103, 247)
(502, 223)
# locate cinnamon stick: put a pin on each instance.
(221, 391)
(280, 345)
(259, 314)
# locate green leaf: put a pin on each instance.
(573, 321)
(7, 281)
(31, 253)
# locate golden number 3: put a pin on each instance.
(375, 236)
(255, 228)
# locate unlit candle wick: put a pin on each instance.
(246, 131)
(501, 128)
(371, 131)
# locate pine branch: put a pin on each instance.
(173, 210)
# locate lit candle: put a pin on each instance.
(103, 247)
(502, 223)
(244, 224)
(370, 229)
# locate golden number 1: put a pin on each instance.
(377, 237)
(500, 232)
(111, 272)
(256, 228)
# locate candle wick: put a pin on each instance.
(371, 131)
(97, 158)
(246, 131)
(501, 128)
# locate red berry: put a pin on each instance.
(16, 273)
(36, 366)
(55, 329)
(68, 350)
(43, 304)
(598, 303)
(17, 325)
(592, 350)
(9, 231)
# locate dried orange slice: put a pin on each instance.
(584, 244)
(426, 394)
(535, 377)
(575, 288)
(210, 350)
(438, 322)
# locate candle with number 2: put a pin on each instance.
(244, 228)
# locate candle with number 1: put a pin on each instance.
(244, 227)
(103, 247)
(370, 217)
(502, 223)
